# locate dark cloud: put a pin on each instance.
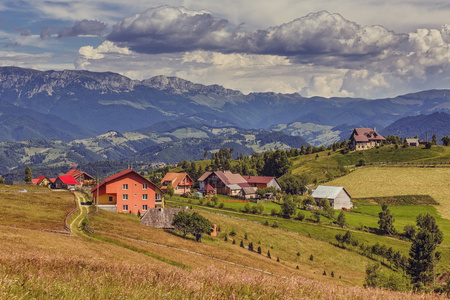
(169, 29)
(46, 32)
(84, 27)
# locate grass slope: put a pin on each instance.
(126, 260)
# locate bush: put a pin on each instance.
(275, 224)
(300, 216)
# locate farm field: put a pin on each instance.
(397, 181)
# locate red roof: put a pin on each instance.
(208, 188)
(67, 179)
(76, 173)
(118, 175)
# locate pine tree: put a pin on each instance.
(386, 221)
(422, 253)
(268, 254)
(28, 175)
(341, 219)
(259, 250)
(250, 246)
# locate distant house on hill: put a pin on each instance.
(181, 182)
(223, 182)
(365, 138)
(127, 192)
(337, 195)
(413, 142)
(262, 182)
(65, 182)
(81, 177)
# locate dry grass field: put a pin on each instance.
(393, 181)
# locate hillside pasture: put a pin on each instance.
(396, 181)
(38, 208)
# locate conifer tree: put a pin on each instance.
(28, 175)
(386, 221)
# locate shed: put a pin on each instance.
(160, 217)
(337, 195)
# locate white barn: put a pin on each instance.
(337, 195)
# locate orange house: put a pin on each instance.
(129, 192)
(181, 182)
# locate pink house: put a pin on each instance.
(128, 192)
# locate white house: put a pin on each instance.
(337, 195)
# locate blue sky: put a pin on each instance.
(351, 48)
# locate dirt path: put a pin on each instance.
(75, 225)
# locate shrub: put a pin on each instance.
(268, 254)
(300, 216)
(311, 257)
(275, 224)
(221, 205)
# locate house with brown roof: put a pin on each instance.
(127, 192)
(81, 177)
(223, 182)
(262, 182)
(365, 138)
(181, 182)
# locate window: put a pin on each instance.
(144, 186)
(124, 186)
(144, 197)
(125, 207)
(110, 199)
(158, 197)
(125, 197)
(144, 207)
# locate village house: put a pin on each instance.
(181, 182)
(43, 180)
(337, 196)
(127, 192)
(262, 182)
(365, 138)
(413, 142)
(249, 193)
(65, 182)
(223, 182)
(81, 177)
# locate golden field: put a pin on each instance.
(395, 181)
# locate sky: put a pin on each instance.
(340, 48)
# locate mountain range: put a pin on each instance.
(58, 117)
(99, 102)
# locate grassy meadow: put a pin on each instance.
(124, 260)
(397, 181)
